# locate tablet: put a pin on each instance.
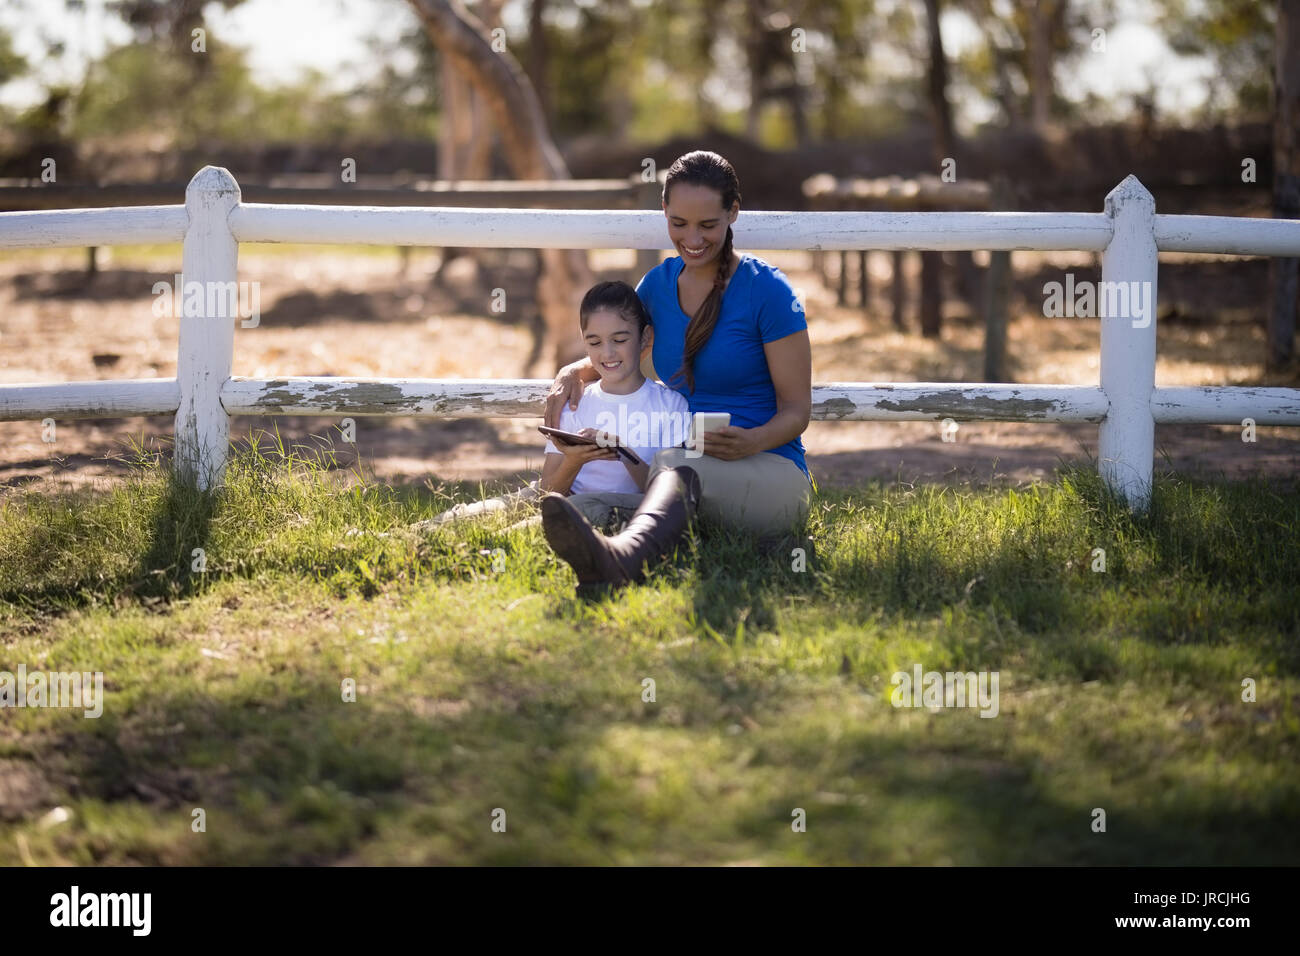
(573, 438)
(706, 422)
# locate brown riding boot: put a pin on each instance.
(660, 520)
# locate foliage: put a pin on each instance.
(1238, 38)
(647, 71)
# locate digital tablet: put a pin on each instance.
(573, 438)
(706, 422)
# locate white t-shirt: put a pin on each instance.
(650, 419)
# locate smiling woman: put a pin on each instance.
(733, 330)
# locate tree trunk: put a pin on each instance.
(511, 101)
(1004, 89)
(538, 54)
(941, 116)
(464, 143)
(937, 78)
(898, 292)
(1286, 180)
(931, 294)
(1040, 63)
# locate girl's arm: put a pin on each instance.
(557, 474)
(640, 473)
(559, 471)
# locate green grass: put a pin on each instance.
(480, 688)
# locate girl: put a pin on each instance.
(621, 407)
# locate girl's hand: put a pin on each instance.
(731, 442)
(579, 455)
(567, 389)
(606, 439)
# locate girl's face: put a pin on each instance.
(697, 223)
(615, 348)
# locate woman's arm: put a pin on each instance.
(789, 360)
(567, 388)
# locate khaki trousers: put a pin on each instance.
(764, 493)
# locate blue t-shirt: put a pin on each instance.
(731, 373)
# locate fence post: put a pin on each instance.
(207, 333)
(1128, 343)
(898, 292)
(997, 283)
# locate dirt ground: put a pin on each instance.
(367, 312)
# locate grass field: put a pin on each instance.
(483, 685)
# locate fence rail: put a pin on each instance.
(631, 193)
(213, 222)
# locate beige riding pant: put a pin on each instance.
(763, 493)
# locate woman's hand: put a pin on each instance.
(732, 442)
(567, 389)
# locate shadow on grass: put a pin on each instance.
(414, 770)
(288, 773)
(174, 565)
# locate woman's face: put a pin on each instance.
(697, 223)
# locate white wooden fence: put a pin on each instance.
(213, 222)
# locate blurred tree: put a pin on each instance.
(669, 62)
(771, 46)
(169, 24)
(596, 45)
(838, 79)
(1046, 26)
(466, 136)
(652, 71)
(937, 85)
(157, 84)
(1026, 43)
(466, 46)
(941, 117)
(538, 56)
(134, 88)
(400, 101)
(1237, 37)
(1286, 180)
(12, 65)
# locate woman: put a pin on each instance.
(733, 330)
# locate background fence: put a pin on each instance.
(213, 221)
